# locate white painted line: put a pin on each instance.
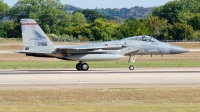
(7, 52)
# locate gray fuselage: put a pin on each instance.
(115, 50)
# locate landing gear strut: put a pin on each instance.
(82, 66)
(131, 67)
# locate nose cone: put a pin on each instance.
(177, 50)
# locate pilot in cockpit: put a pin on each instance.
(144, 38)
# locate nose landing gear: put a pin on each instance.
(132, 60)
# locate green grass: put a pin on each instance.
(99, 64)
(97, 100)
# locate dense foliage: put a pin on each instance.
(176, 20)
(3, 10)
(183, 18)
(122, 13)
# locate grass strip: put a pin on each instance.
(99, 100)
(98, 64)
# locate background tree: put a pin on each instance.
(2, 30)
(3, 11)
(176, 9)
(4, 8)
(195, 22)
(178, 32)
(169, 11)
(134, 27)
(83, 30)
(103, 30)
(182, 16)
(48, 12)
(158, 27)
(12, 29)
(77, 19)
(91, 15)
(178, 19)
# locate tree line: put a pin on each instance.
(176, 20)
(120, 13)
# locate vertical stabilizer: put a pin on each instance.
(34, 38)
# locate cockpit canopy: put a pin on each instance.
(142, 38)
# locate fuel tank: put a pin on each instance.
(94, 57)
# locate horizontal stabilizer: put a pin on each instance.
(36, 51)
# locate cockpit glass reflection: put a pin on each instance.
(142, 38)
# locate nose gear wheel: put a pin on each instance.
(132, 60)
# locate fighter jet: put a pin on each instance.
(37, 44)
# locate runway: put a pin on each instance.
(99, 78)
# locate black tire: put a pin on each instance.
(131, 67)
(85, 67)
(79, 66)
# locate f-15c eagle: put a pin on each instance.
(37, 44)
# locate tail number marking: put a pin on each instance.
(42, 44)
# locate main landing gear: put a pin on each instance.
(131, 67)
(82, 66)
